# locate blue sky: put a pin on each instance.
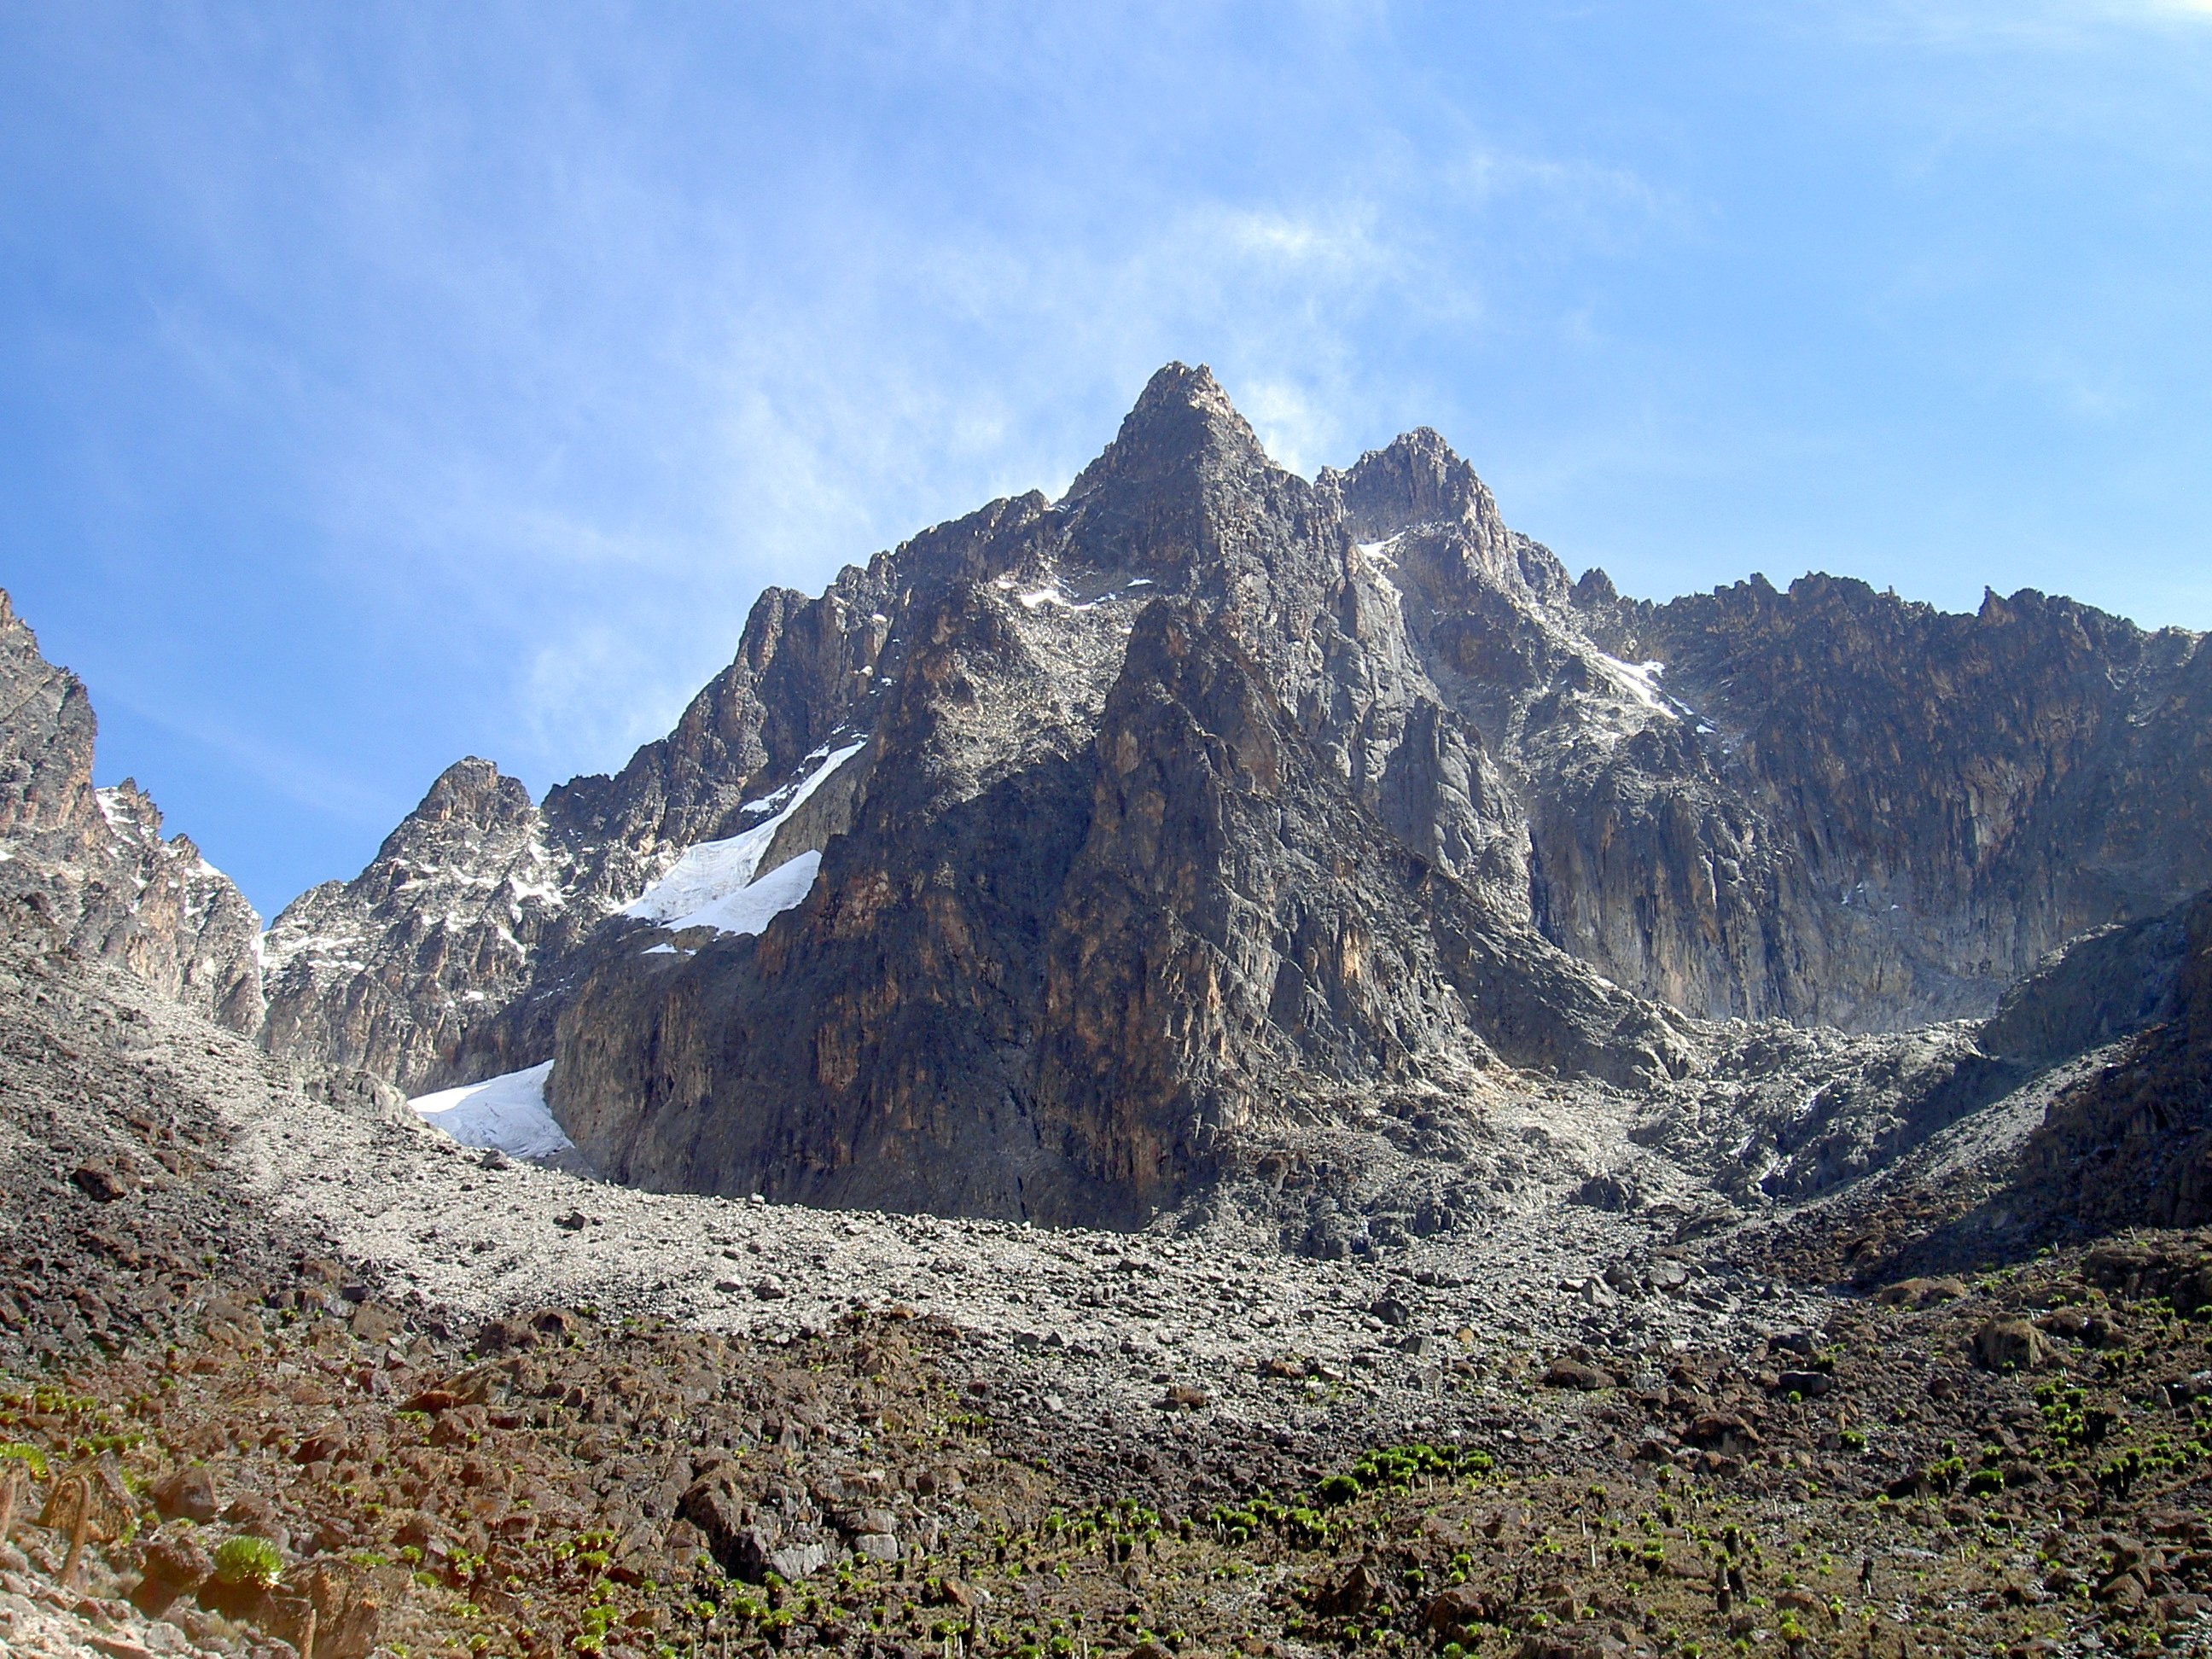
(383, 384)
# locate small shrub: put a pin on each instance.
(243, 1561)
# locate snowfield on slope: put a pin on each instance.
(507, 1112)
(712, 884)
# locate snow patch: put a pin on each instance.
(749, 909)
(1059, 596)
(1640, 680)
(507, 1112)
(714, 885)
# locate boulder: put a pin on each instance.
(187, 1494)
(1566, 1373)
(2010, 1344)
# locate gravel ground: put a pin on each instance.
(1097, 1321)
(281, 1266)
(461, 1236)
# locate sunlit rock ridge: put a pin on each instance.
(1079, 857)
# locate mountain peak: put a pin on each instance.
(1416, 478)
(1178, 386)
(1181, 430)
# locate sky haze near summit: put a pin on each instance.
(384, 384)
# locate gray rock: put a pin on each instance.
(797, 1561)
(1348, 773)
(88, 870)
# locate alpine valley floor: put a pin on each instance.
(471, 1406)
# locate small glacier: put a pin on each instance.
(507, 1112)
(714, 885)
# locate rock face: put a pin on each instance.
(387, 971)
(1208, 804)
(1121, 903)
(89, 866)
(2131, 1145)
(1913, 808)
(1207, 796)
(448, 958)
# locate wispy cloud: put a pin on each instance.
(513, 354)
(2065, 24)
(303, 777)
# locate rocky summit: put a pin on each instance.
(1161, 837)
(1226, 1063)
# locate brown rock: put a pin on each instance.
(1723, 1431)
(1360, 1588)
(959, 1593)
(1565, 1373)
(101, 1182)
(464, 1425)
(173, 1563)
(716, 1504)
(2006, 1345)
(503, 1335)
(187, 1494)
(326, 1445)
(1456, 1608)
(348, 1608)
(375, 1322)
(2122, 1592)
(556, 1324)
(232, 1320)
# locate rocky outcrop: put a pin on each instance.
(1206, 798)
(1118, 898)
(1917, 806)
(2131, 1146)
(446, 927)
(170, 917)
(88, 869)
(448, 959)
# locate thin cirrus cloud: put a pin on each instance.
(381, 385)
(827, 437)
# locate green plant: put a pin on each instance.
(242, 1561)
